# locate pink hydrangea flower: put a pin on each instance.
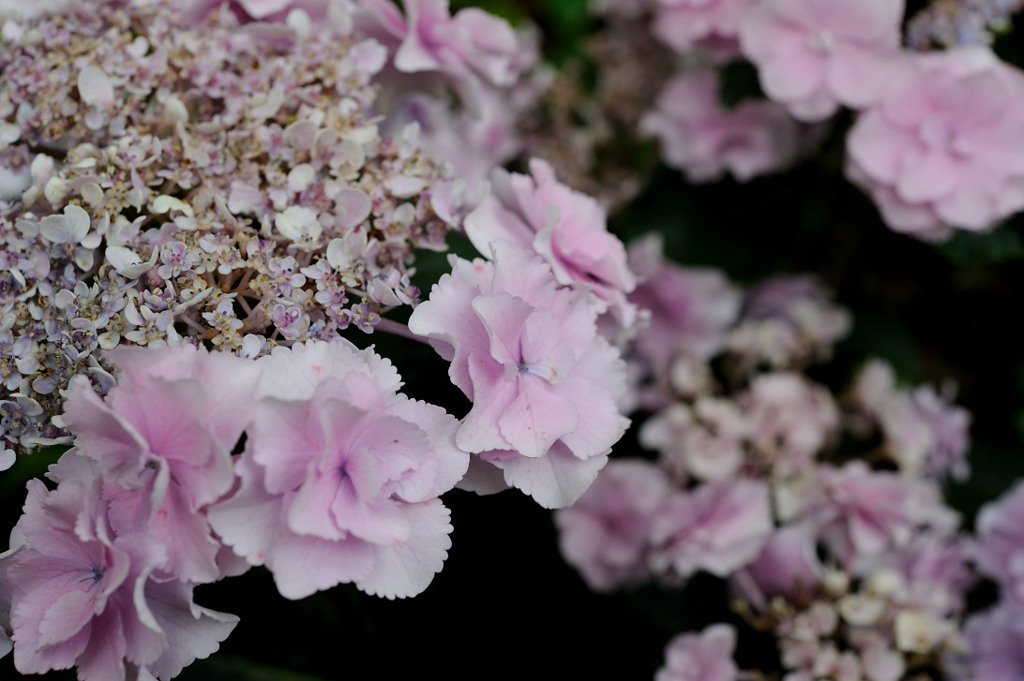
(705, 656)
(474, 142)
(787, 566)
(83, 595)
(690, 310)
(813, 55)
(604, 534)
(936, 571)
(1000, 547)
(470, 42)
(340, 476)
(790, 419)
(718, 527)
(944, 147)
(567, 228)
(788, 321)
(163, 438)
(996, 646)
(684, 24)
(705, 140)
(543, 383)
(924, 433)
(862, 513)
(705, 440)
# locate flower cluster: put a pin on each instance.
(211, 183)
(994, 636)
(199, 201)
(338, 481)
(937, 139)
(822, 509)
(522, 333)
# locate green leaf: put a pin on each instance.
(1001, 244)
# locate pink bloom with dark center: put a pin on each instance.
(813, 55)
(340, 476)
(543, 383)
(162, 439)
(83, 595)
(944, 147)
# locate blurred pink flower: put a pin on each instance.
(787, 566)
(861, 513)
(689, 311)
(1000, 543)
(944, 147)
(604, 535)
(704, 656)
(704, 440)
(705, 140)
(470, 42)
(813, 55)
(718, 527)
(683, 24)
(996, 646)
(791, 421)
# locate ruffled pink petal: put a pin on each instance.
(377, 523)
(68, 614)
(440, 473)
(309, 513)
(192, 632)
(192, 550)
(928, 177)
(876, 147)
(103, 659)
(287, 435)
(605, 425)
(555, 480)
(406, 569)
(479, 431)
(503, 316)
(491, 221)
(857, 77)
(304, 565)
(539, 415)
(248, 520)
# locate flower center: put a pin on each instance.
(822, 41)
